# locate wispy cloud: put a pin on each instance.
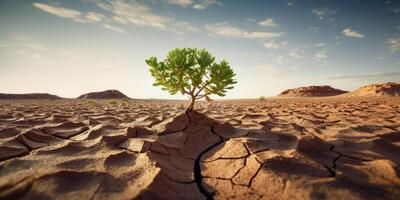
(196, 4)
(296, 52)
(321, 44)
(203, 4)
(94, 17)
(113, 28)
(135, 13)
(274, 45)
(140, 14)
(325, 13)
(394, 44)
(59, 11)
(351, 33)
(320, 56)
(268, 22)
(23, 43)
(228, 31)
(183, 3)
(77, 16)
(375, 76)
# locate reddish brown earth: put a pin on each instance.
(319, 148)
(107, 94)
(312, 91)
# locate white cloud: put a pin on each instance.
(290, 3)
(23, 43)
(183, 3)
(271, 45)
(234, 32)
(77, 16)
(113, 28)
(325, 13)
(268, 22)
(394, 44)
(59, 11)
(351, 33)
(320, 56)
(279, 59)
(321, 44)
(139, 14)
(203, 4)
(296, 53)
(181, 25)
(134, 13)
(274, 45)
(389, 76)
(94, 17)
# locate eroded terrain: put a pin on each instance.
(329, 148)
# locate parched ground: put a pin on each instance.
(289, 148)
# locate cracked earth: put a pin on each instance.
(318, 148)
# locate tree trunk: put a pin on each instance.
(191, 106)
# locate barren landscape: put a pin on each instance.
(199, 99)
(280, 148)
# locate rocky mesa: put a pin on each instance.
(312, 91)
(29, 96)
(107, 94)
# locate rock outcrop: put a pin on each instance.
(312, 91)
(29, 96)
(107, 94)
(383, 89)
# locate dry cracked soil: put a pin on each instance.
(315, 148)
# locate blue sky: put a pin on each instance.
(72, 47)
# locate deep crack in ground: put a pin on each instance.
(197, 168)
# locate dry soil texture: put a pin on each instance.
(318, 148)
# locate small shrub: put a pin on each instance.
(113, 102)
(91, 102)
(192, 72)
(262, 98)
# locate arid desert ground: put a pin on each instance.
(280, 148)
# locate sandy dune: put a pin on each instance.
(377, 89)
(298, 148)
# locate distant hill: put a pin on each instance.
(29, 96)
(107, 94)
(312, 91)
(378, 89)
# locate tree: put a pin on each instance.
(193, 72)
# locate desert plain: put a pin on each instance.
(279, 148)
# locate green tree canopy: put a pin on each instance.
(193, 72)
